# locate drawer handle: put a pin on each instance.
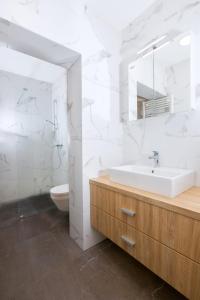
(127, 241)
(128, 212)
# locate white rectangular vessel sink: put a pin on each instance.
(164, 181)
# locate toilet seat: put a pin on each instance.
(60, 190)
(60, 196)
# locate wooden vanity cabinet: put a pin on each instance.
(161, 238)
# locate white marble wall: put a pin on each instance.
(176, 137)
(75, 153)
(93, 114)
(95, 132)
(61, 136)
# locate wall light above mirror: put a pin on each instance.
(160, 78)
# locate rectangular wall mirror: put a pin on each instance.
(160, 79)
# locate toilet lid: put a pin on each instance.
(60, 190)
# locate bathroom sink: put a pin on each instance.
(164, 181)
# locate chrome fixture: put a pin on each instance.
(155, 157)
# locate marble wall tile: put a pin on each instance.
(175, 136)
(163, 17)
(97, 139)
(95, 132)
(172, 16)
(61, 135)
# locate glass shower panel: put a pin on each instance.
(33, 131)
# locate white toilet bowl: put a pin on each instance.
(60, 196)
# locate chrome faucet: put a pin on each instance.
(155, 157)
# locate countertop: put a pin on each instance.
(187, 203)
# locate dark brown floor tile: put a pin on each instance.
(27, 228)
(57, 285)
(8, 214)
(63, 239)
(39, 261)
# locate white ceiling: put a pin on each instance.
(119, 13)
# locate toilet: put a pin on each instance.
(60, 196)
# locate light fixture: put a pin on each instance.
(185, 41)
(152, 44)
(156, 49)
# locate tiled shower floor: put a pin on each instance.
(39, 261)
(12, 212)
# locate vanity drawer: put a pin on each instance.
(176, 269)
(113, 229)
(126, 210)
(176, 231)
(103, 222)
(103, 198)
